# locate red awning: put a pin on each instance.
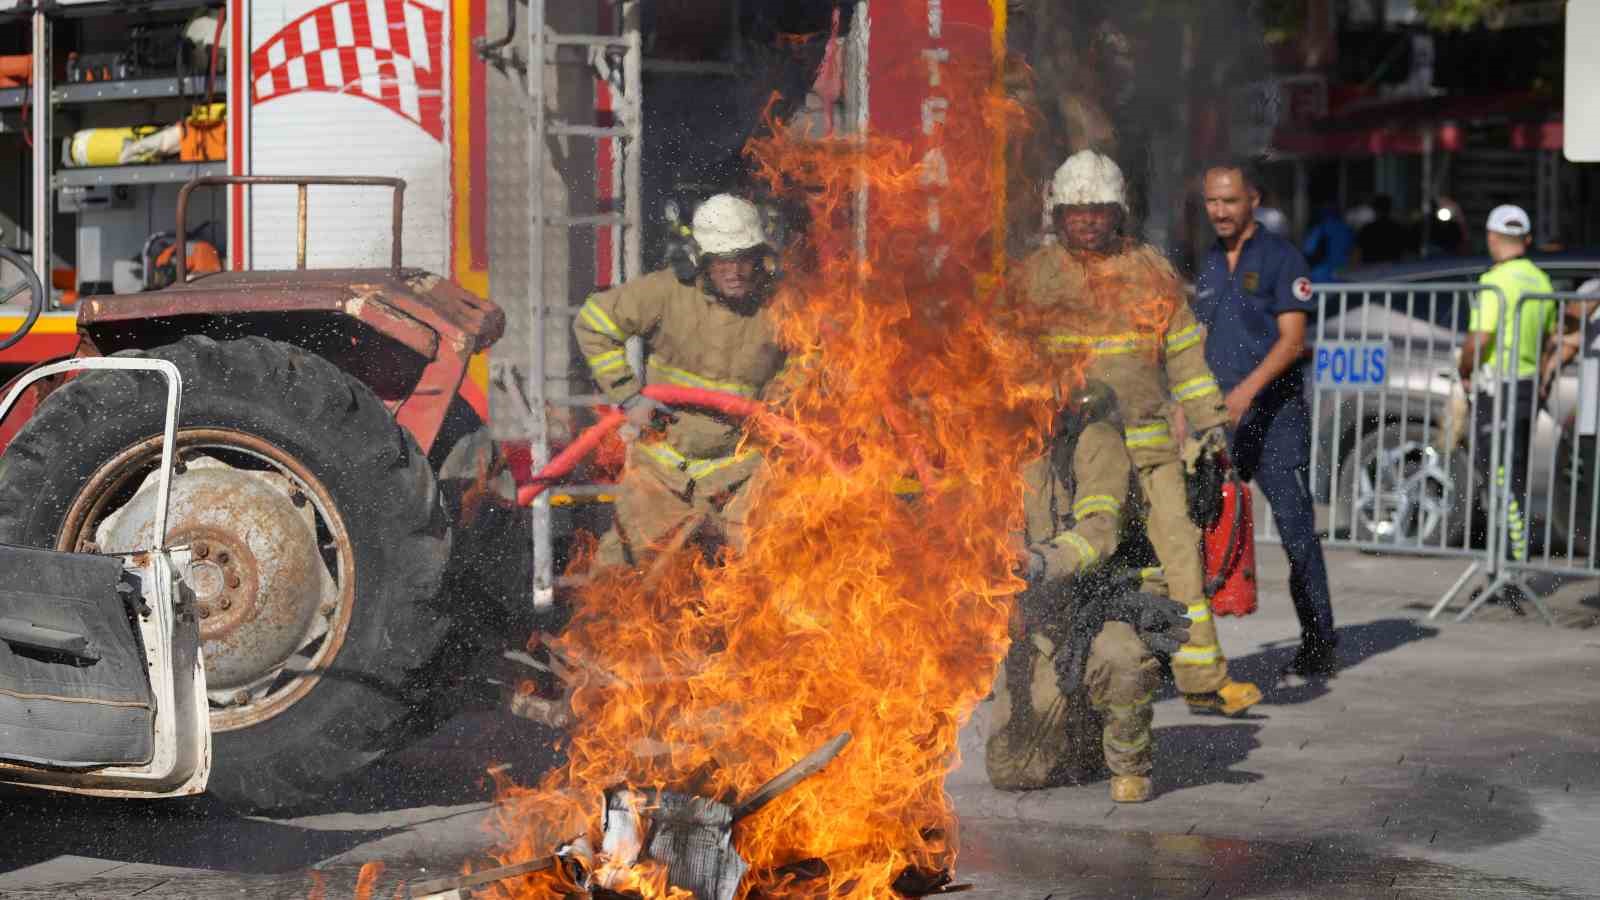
(1537, 136)
(1407, 126)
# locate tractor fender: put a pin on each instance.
(407, 334)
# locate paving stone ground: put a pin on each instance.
(1474, 746)
(1446, 760)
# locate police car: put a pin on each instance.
(1394, 445)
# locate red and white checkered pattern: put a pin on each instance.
(388, 51)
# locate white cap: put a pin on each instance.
(727, 224)
(1590, 287)
(1087, 178)
(1509, 220)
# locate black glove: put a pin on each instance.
(1204, 475)
(1162, 624)
(1032, 567)
(1043, 603)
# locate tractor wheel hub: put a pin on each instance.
(257, 571)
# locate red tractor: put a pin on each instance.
(320, 416)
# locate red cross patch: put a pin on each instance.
(1302, 289)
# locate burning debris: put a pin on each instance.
(690, 838)
(687, 840)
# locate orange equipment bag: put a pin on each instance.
(205, 134)
(16, 71)
(203, 258)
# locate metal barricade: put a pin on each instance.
(1548, 421)
(1392, 447)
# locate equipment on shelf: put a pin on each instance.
(16, 71)
(201, 256)
(115, 65)
(161, 49)
(204, 134)
(93, 198)
(207, 39)
(201, 136)
(119, 146)
(148, 79)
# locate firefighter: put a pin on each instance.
(1079, 642)
(705, 324)
(1123, 306)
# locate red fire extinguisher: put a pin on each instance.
(1230, 553)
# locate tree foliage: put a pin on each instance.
(1457, 13)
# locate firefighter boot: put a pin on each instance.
(1231, 699)
(1130, 788)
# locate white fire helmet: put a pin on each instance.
(1087, 178)
(727, 224)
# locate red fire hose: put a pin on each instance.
(567, 460)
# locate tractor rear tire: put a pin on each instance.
(258, 411)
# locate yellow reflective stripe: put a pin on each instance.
(1199, 612)
(1097, 503)
(1085, 510)
(702, 468)
(1515, 530)
(1149, 572)
(597, 320)
(1087, 555)
(1184, 339)
(1197, 656)
(1153, 435)
(668, 456)
(569, 500)
(1196, 387)
(906, 487)
(1127, 708)
(608, 362)
(691, 379)
(1116, 746)
(1106, 344)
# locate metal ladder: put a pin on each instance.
(616, 60)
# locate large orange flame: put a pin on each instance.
(853, 608)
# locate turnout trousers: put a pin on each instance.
(1199, 666)
(653, 508)
(1043, 738)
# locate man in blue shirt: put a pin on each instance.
(1328, 245)
(1254, 296)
